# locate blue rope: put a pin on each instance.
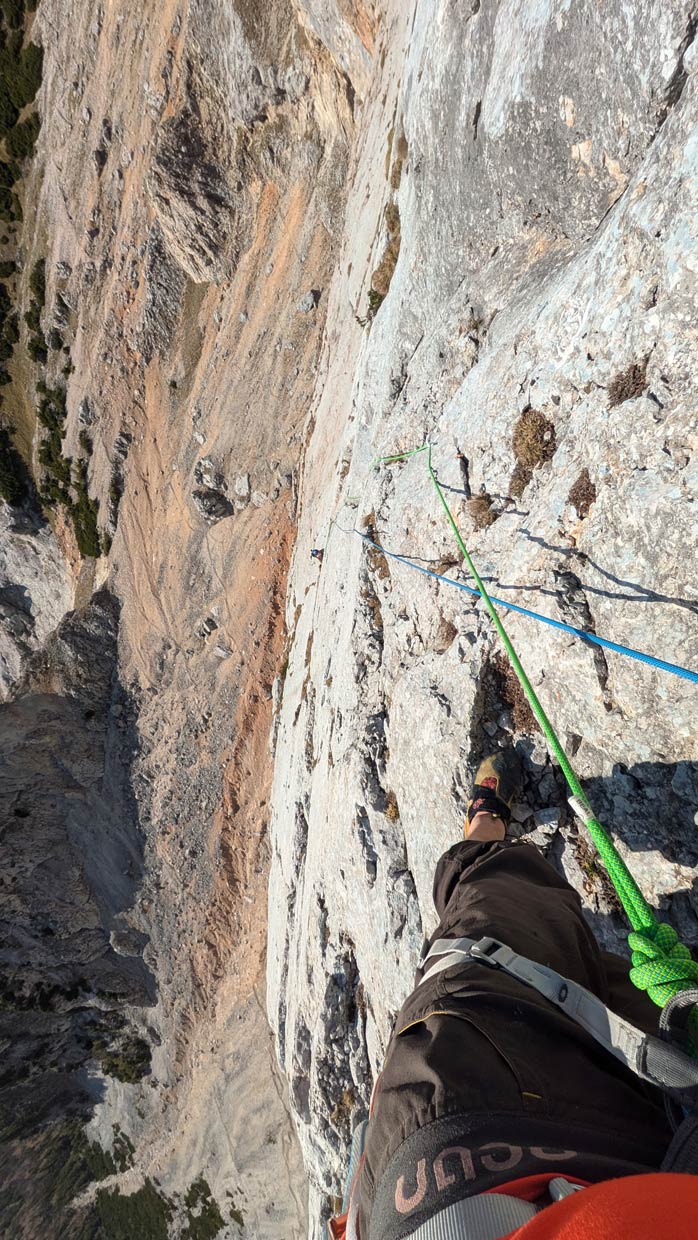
(685, 672)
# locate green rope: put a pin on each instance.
(662, 965)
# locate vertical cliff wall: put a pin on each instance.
(179, 223)
(516, 286)
(256, 247)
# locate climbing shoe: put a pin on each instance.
(497, 781)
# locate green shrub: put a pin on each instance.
(116, 490)
(55, 340)
(37, 281)
(375, 301)
(21, 140)
(64, 1168)
(13, 13)
(204, 1219)
(49, 413)
(131, 1062)
(144, 1214)
(5, 301)
(125, 1066)
(36, 348)
(51, 456)
(10, 206)
(13, 471)
(32, 317)
(21, 75)
(123, 1149)
(9, 114)
(53, 493)
(9, 173)
(99, 1161)
(45, 415)
(7, 268)
(59, 396)
(9, 337)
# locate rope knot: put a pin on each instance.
(661, 964)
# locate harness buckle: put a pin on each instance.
(485, 949)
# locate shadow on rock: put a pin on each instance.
(648, 807)
(71, 864)
(630, 592)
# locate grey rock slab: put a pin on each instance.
(35, 589)
(520, 812)
(212, 505)
(308, 301)
(242, 486)
(209, 475)
(547, 820)
(548, 241)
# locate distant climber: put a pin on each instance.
(496, 1114)
(317, 553)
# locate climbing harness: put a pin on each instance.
(662, 966)
(481, 1217)
(647, 1056)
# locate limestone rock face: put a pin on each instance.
(283, 240)
(71, 861)
(35, 589)
(203, 217)
(186, 192)
(348, 29)
(239, 118)
(547, 195)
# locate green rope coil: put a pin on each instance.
(662, 966)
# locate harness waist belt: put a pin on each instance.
(484, 1217)
(647, 1056)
